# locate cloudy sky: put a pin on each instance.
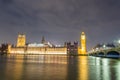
(60, 20)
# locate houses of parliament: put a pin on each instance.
(46, 47)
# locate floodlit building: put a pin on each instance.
(82, 49)
(75, 49)
(21, 40)
(45, 47)
(35, 48)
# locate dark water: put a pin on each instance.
(51, 67)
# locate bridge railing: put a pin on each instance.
(106, 52)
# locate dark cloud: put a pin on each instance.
(6, 1)
(60, 20)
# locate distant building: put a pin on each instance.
(4, 48)
(35, 48)
(72, 48)
(46, 47)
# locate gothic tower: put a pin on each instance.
(8, 48)
(83, 43)
(43, 40)
(21, 40)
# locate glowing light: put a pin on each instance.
(104, 46)
(36, 45)
(58, 46)
(119, 41)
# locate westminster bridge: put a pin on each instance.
(106, 52)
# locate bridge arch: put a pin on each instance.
(113, 54)
(101, 54)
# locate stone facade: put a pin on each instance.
(38, 50)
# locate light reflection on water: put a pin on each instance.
(56, 67)
(83, 68)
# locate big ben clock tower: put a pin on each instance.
(83, 43)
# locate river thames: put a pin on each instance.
(56, 67)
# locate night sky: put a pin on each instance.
(60, 20)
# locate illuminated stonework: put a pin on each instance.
(21, 40)
(45, 47)
(35, 48)
(38, 50)
(9, 48)
(82, 49)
